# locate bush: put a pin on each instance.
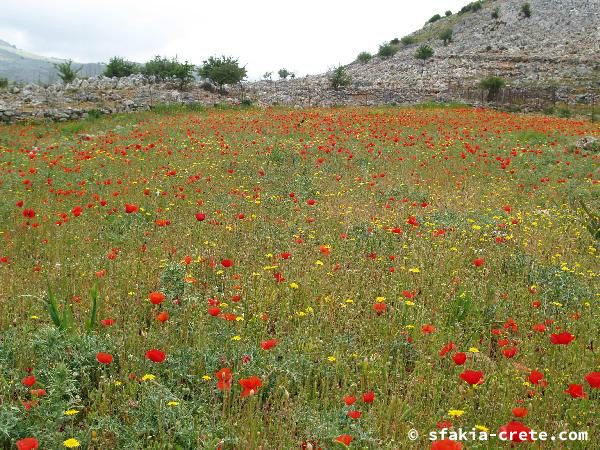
(222, 71)
(165, 69)
(471, 7)
(526, 10)
(448, 13)
(434, 18)
(119, 67)
(496, 12)
(407, 40)
(395, 41)
(364, 57)
(284, 74)
(386, 50)
(493, 84)
(424, 52)
(66, 72)
(3, 83)
(339, 78)
(446, 35)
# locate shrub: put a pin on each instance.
(364, 57)
(496, 12)
(526, 10)
(471, 7)
(222, 71)
(395, 41)
(164, 69)
(446, 35)
(66, 72)
(407, 40)
(424, 52)
(493, 84)
(448, 13)
(267, 76)
(386, 50)
(434, 18)
(284, 74)
(3, 83)
(119, 67)
(339, 78)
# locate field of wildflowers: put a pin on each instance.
(297, 279)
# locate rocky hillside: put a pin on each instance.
(21, 66)
(559, 45)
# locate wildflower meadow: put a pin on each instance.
(250, 278)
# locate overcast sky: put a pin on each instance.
(304, 36)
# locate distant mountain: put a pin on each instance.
(22, 66)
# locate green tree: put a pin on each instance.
(435, 18)
(493, 84)
(284, 74)
(424, 52)
(164, 69)
(448, 13)
(364, 57)
(119, 67)
(386, 50)
(446, 35)
(66, 72)
(222, 71)
(407, 40)
(339, 78)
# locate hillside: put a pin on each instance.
(22, 66)
(558, 45)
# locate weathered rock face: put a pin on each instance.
(555, 51)
(106, 95)
(558, 46)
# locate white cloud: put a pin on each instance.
(306, 36)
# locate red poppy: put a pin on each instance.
(536, 377)
(354, 414)
(285, 255)
(269, 344)
(344, 439)
(224, 379)
(226, 263)
(593, 379)
(107, 322)
(447, 348)
(520, 412)
(200, 217)
(104, 358)
(515, 431)
(214, 311)
(155, 355)
(349, 400)
(29, 213)
(28, 443)
(156, 298)
(478, 262)
(38, 392)
(162, 316)
(131, 208)
(28, 380)
(459, 358)
(368, 397)
(250, 385)
(472, 377)
(509, 352)
(311, 202)
(576, 391)
(427, 329)
(379, 308)
(564, 338)
(325, 249)
(539, 327)
(279, 277)
(446, 444)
